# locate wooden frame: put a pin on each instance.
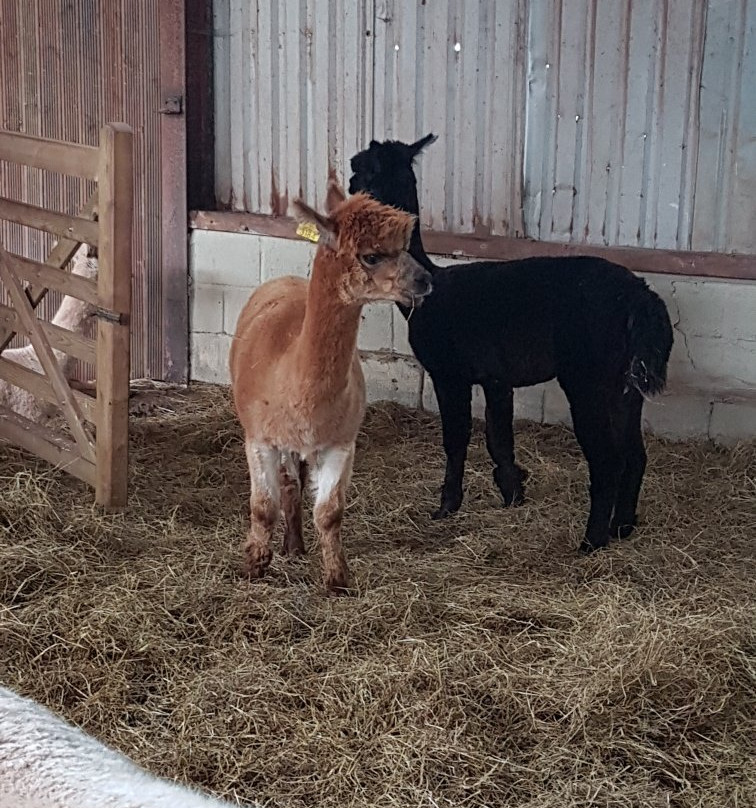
(100, 460)
(504, 248)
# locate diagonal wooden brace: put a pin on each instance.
(46, 357)
(59, 256)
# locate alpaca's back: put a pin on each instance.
(48, 763)
(529, 320)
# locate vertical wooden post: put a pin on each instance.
(116, 205)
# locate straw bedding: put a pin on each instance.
(482, 662)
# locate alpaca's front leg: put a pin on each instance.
(264, 505)
(333, 472)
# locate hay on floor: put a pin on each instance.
(482, 663)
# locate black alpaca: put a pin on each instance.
(592, 324)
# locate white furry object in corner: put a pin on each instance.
(48, 763)
(72, 314)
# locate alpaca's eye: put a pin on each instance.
(371, 259)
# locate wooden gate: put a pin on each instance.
(99, 458)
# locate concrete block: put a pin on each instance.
(283, 256)
(234, 300)
(376, 328)
(477, 400)
(206, 313)
(556, 408)
(733, 421)
(716, 308)
(428, 401)
(529, 402)
(678, 416)
(209, 358)
(723, 364)
(392, 378)
(224, 258)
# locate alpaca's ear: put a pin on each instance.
(326, 226)
(335, 195)
(416, 147)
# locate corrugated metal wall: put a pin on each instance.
(640, 127)
(456, 69)
(66, 67)
(611, 122)
(293, 97)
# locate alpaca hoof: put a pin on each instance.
(448, 507)
(586, 547)
(256, 561)
(514, 498)
(337, 584)
(509, 482)
(294, 548)
(623, 528)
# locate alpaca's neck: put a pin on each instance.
(417, 251)
(328, 340)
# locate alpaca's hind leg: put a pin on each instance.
(332, 473)
(456, 423)
(264, 504)
(507, 475)
(293, 474)
(595, 432)
(634, 451)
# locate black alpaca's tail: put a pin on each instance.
(649, 341)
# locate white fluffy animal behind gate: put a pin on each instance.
(73, 314)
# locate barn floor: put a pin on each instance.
(482, 663)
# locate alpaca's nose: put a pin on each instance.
(423, 283)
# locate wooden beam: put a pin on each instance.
(174, 294)
(59, 256)
(637, 259)
(59, 224)
(114, 285)
(53, 155)
(39, 387)
(64, 282)
(64, 249)
(45, 444)
(62, 339)
(504, 248)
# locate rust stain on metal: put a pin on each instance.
(279, 202)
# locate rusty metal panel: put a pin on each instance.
(292, 97)
(67, 68)
(604, 122)
(456, 69)
(640, 130)
(725, 209)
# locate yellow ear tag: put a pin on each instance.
(308, 231)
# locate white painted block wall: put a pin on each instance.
(712, 372)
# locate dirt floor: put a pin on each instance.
(482, 662)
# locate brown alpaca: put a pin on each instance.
(297, 382)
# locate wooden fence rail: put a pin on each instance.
(100, 459)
